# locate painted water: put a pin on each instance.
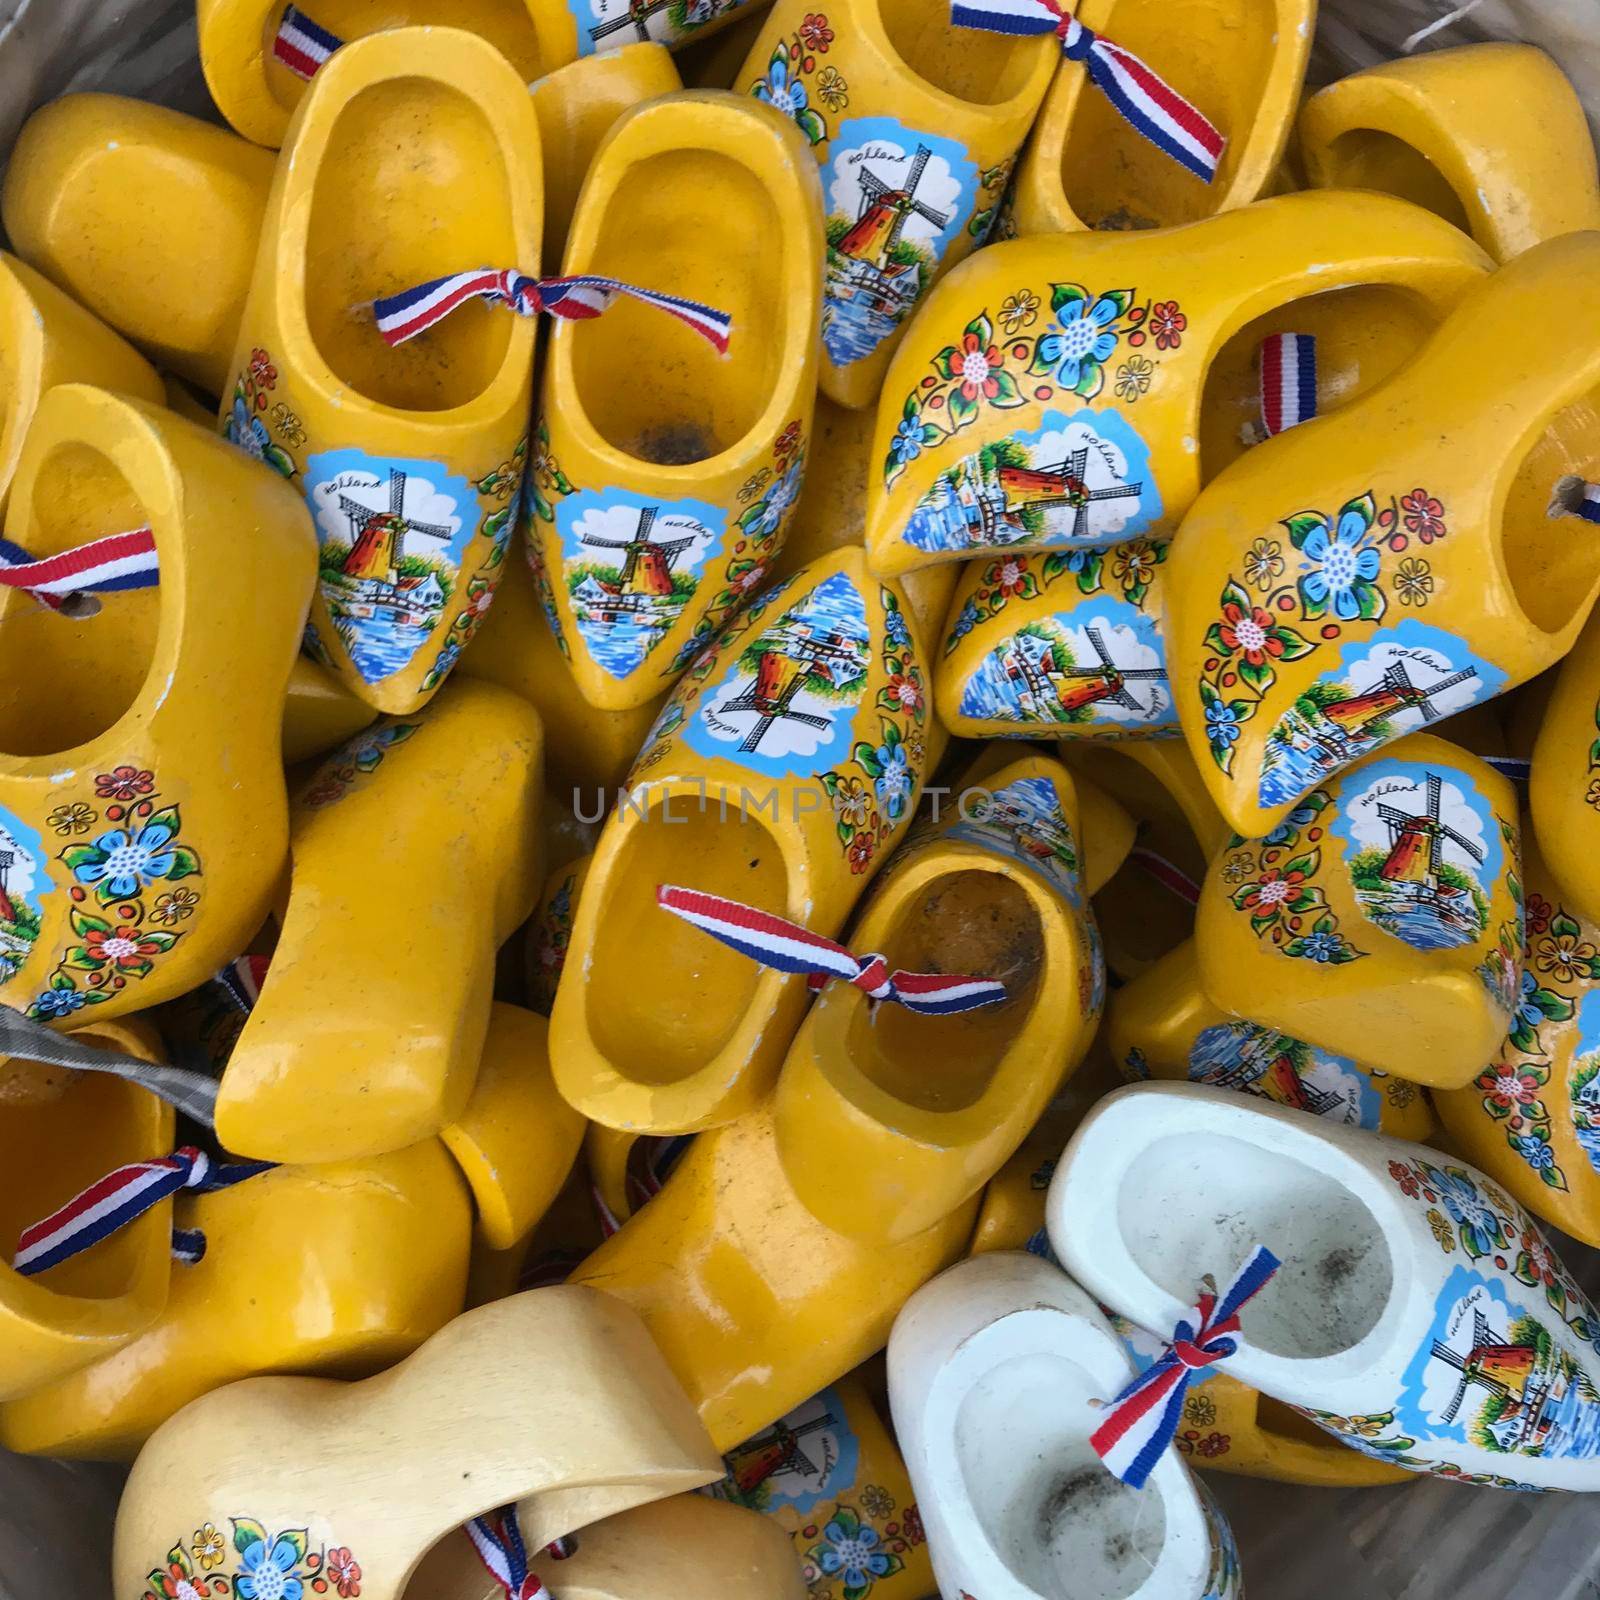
(621, 646)
(943, 521)
(379, 645)
(1289, 770)
(1425, 922)
(852, 329)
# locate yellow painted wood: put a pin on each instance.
(550, 933)
(319, 713)
(1564, 787)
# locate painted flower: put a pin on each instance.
(121, 862)
(1442, 1231)
(1018, 311)
(1401, 1093)
(1263, 563)
(876, 1501)
(76, 817)
(1321, 946)
(1167, 324)
(1535, 1151)
(765, 517)
(859, 851)
(897, 628)
(1222, 722)
(893, 783)
(124, 783)
(1200, 1409)
(1413, 582)
(1473, 1215)
(207, 1546)
(815, 34)
(906, 691)
(1508, 1088)
(1405, 1177)
(786, 94)
(906, 445)
(268, 1568)
(1540, 1261)
(343, 1571)
(290, 428)
(977, 366)
(262, 372)
(851, 802)
(56, 1003)
(1238, 867)
(1274, 890)
(966, 620)
(177, 1581)
(1252, 633)
(850, 1550)
(127, 949)
(1565, 956)
(788, 441)
(1214, 1444)
(250, 434)
(1010, 577)
(755, 483)
(1423, 515)
(1339, 569)
(832, 89)
(1134, 565)
(911, 1529)
(1133, 377)
(1084, 340)
(1539, 912)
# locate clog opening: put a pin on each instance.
(64, 681)
(1365, 158)
(1219, 57)
(981, 925)
(412, 186)
(506, 24)
(696, 223)
(53, 1148)
(984, 69)
(1553, 561)
(1275, 1418)
(662, 997)
(1364, 333)
(1336, 1277)
(1062, 1524)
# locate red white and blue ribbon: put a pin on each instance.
(302, 45)
(1575, 498)
(1168, 874)
(121, 1196)
(119, 561)
(241, 980)
(498, 1540)
(1288, 381)
(403, 316)
(1150, 104)
(1143, 1420)
(788, 947)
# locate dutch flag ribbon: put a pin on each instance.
(1518, 769)
(119, 561)
(1149, 103)
(498, 1540)
(1288, 381)
(121, 1196)
(1575, 498)
(787, 947)
(1142, 1421)
(1168, 874)
(403, 316)
(302, 45)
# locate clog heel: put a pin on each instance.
(259, 56)
(1240, 62)
(319, 713)
(166, 187)
(916, 124)
(680, 466)
(1405, 1280)
(1564, 785)
(59, 1132)
(46, 339)
(365, 1260)
(552, 1401)
(1072, 392)
(1423, 128)
(782, 771)
(996, 1371)
(1424, 567)
(141, 790)
(407, 455)
(888, 1119)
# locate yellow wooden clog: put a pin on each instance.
(319, 713)
(887, 1120)
(1380, 920)
(106, 195)
(1564, 786)
(711, 63)
(1073, 392)
(142, 809)
(755, 1304)
(1240, 62)
(828, 1474)
(1161, 1025)
(1431, 128)
(782, 771)
(1368, 573)
(414, 155)
(370, 1024)
(680, 467)
(550, 933)
(46, 339)
(553, 1402)
(340, 1269)
(915, 123)
(60, 1131)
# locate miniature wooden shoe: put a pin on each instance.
(1422, 569)
(755, 1304)
(887, 1120)
(167, 188)
(995, 1371)
(262, 57)
(370, 1025)
(915, 124)
(1241, 63)
(1380, 920)
(828, 1474)
(1072, 392)
(407, 455)
(781, 773)
(339, 1269)
(319, 713)
(517, 1139)
(577, 105)
(1418, 1312)
(1564, 785)
(550, 933)
(678, 484)
(1420, 128)
(59, 1132)
(49, 339)
(552, 1400)
(141, 792)
(1161, 1025)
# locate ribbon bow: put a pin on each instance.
(1150, 104)
(403, 316)
(1142, 1421)
(788, 947)
(497, 1538)
(119, 561)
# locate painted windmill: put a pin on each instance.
(781, 672)
(1394, 693)
(884, 210)
(647, 567)
(1061, 485)
(1104, 681)
(776, 1450)
(378, 538)
(8, 910)
(1264, 1056)
(1502, 1369)
(1417, 843)
(637, 17)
